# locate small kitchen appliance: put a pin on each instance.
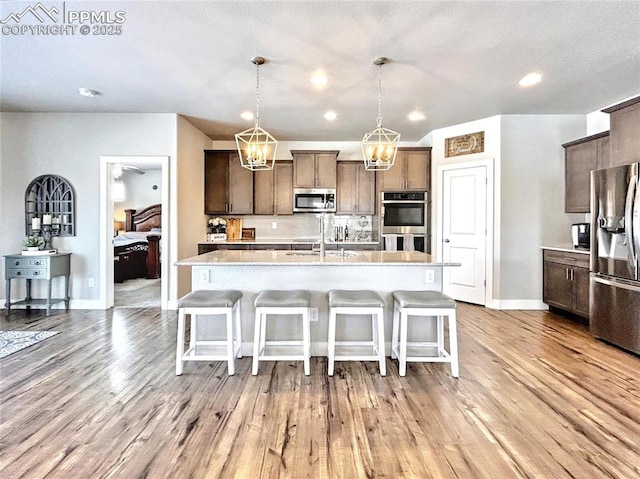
(581, 235)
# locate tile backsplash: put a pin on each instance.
(307, 226)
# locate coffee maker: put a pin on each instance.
(580, 235)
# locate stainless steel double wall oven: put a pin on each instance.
(406, 213)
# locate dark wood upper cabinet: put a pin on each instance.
(228, 187)
(411, 171)
(625, 132)
(314, 169)
(356, 189)
(273, 190)
(581, 157)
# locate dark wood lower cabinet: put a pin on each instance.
(566, 282)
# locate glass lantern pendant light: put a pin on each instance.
(380, 145)
(256, 147)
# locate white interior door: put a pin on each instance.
(464, 232)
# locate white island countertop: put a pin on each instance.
(309, 258)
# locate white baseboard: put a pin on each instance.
(534, 304)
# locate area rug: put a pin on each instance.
(12, 341)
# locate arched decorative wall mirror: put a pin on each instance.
(49, 205)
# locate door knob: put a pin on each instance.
(447, 240)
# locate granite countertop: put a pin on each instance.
(567, 248)
(309, 258)
(289, 241)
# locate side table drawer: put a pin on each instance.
(27, 263)
(28, 273)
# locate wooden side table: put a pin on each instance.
(42, 267)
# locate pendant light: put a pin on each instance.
(256, 147)
(380, 145)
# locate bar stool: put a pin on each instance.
(424, 303)
(270, 302)
(357, 303)
(205, 302)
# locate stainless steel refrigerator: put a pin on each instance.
(614, 305)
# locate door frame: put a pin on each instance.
(490, 224)
(106, 225)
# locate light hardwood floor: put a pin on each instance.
(537, 397)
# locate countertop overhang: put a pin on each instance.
(303, 258)
(567, 248)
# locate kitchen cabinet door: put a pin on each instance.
(263, 183)
(581, 292)
(581, 157)
(417, 172)
(216, 177)
(411, 171)
(283, 188)
(566, 281)
(394, 178)
(356, 189)
(625, 125)
(558, 289)
(273, 190)
(326, 170)
(314, 169)
(304, 170)
(228, 187)
(240, 187)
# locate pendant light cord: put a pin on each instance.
(379, 119)
(257, 94)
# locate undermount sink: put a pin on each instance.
(326, 253)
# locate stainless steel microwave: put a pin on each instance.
(314, 200)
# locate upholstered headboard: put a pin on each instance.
(145, 219)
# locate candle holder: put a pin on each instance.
(48, 232)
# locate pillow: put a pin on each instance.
(156, 230)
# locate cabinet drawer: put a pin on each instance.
(579, 260)
(27, 263)
(28, 273)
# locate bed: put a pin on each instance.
(136, 253)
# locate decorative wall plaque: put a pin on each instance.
(464, 144)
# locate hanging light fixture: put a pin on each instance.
(118, 192)
(256, 147)
(380, 145)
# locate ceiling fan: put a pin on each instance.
(118, 169)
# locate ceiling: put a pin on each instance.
(452, 61)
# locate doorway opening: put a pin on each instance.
(134, 218)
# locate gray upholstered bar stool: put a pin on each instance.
(361, 302)
(217, 303)
(274, 302)
(423, 303)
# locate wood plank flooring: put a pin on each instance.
(537, 397)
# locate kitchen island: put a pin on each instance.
(256, 270)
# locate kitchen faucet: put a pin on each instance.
(322, 245)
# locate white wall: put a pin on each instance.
(70, 145)
(528, 196)
(532, 199)
(139, 191)
(190, 218)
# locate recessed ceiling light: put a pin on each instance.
(416, 116)
(530, 79)
(330, 115)
(246, 115)
(88, 92)
(319, 79)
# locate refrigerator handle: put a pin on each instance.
(628, 220)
